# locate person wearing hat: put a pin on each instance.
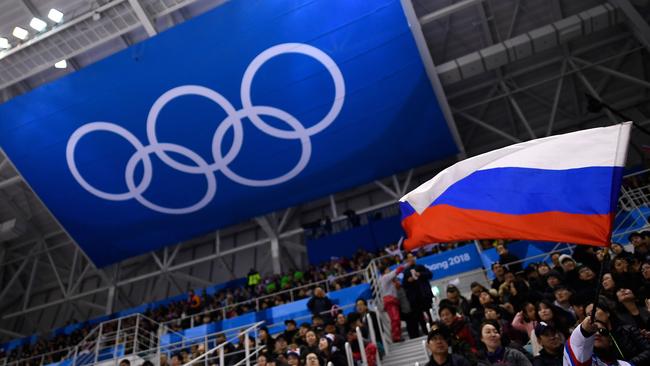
(551, 341)
(438, 341)
(331, 350)
(293, 357)
(569, 266)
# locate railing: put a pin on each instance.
(223, 310)
(209, 355)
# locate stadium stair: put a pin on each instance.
(406, 353)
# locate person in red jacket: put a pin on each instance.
(391, 302)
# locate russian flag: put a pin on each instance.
(560, 188)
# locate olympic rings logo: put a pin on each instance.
(232, 121)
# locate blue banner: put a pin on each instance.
(247, 109)
(451, 262)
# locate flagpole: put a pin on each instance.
(599, 285)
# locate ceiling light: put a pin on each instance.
(4, 43)
(20, 33)
(55, 15)
(61, 64)
(38, 24)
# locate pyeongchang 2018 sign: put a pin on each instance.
(249, 108)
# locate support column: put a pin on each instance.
(275, 255)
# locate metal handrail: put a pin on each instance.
(348, 354)
(373, 337)
(220, 346)
(362, 348)
(258, 299)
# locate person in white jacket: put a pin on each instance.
(590, 345)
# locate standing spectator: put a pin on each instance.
(418, 290)
(254, 279)
(552, 345)
(391, 302)
(320, 304)
(194, 302)
(438, 344)
(511, 261)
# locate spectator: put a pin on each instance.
(363, 311)
(311, 342)
(499, 275)
(569, 271)
(194, 302)
(554, 316)
(587, 282)
(628, 312)
(495, 352)
(590, 345)
(456, 299)
(418, 290)
(526, 321)
(563, 299)
(640, 247)
(619, 251)
(265, 338)
(320, 304)
(462, 339)
(552, 345)
(263, 359)
(438, 342)
(332, 352)
(555, 259)
(293, 357)
(631, 345)
(391, 301)
(313, 359)
(370, 348)
(509, 260)
(290, 329)
(253, 279)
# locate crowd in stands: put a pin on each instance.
(200, 308)
(540, 314)
(533, 315)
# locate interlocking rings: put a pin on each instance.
(233, 120)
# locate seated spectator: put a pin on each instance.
(551, 341)
(629, 313)
(563, 299)
(320, 304)
(499, 275)
(331, 352)
(370, 348)
(462, 340)
(311, 342)
(194, 302)
(526, 321)
(590, 344)
(290, 329)
(363, 311)
(313, 359)
(569, 270)
(639, 243)
(622, 275)
(264, 359)
(265, 339)
(619, 251)
(281, 346)
(632, 346)
(493, 313)
(509, 260)
(587, 282)
(554, 316)
(555, 259)
(341, 323)
(456, 299)
(474, 302)
(495, 352)
(293, 357)
(438, 343)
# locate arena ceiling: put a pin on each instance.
(511, 70)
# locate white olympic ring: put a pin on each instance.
(233, 120)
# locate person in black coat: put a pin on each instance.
(418, 289)
(438, 342)
(552, 346)
(321, 305)
(633, 347)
